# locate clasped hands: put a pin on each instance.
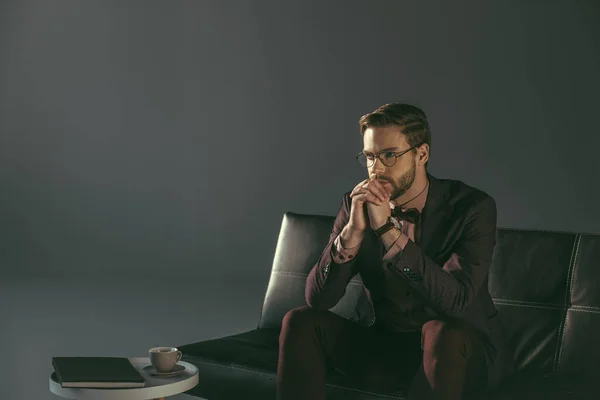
(370, 197)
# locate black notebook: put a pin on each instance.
(99, 372)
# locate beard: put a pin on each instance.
(401, 184)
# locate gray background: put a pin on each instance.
(148, 150)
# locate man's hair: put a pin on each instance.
(411, 119)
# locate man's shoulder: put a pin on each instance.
(346, 197)
(347, 201)
(462, 193)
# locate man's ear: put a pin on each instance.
(423, 154)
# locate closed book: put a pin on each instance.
(97, 372)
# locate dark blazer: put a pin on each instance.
(447, 271)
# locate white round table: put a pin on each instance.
(156, 387)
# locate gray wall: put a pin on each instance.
(149, 149)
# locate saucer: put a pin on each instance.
(177, 369)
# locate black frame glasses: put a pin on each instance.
(369, 162)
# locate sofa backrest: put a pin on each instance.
(300, 244)
(545, 284)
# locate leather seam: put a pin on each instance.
(532, 304)
(303, 275)
(569, 288)
(500, 228)
(590, 309)
(290, 273)
(593, 310)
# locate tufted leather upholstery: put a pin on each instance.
(546, 286)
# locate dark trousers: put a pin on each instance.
(444, 361)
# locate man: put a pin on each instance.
(423, 247)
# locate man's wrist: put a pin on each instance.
(394, 237)
(351, 237)
(380, 224)
(382, 228)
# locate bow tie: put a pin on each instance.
(411, 215)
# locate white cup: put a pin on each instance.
(163, 359)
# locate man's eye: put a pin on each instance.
(389, 154)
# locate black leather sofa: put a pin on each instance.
(545, 284)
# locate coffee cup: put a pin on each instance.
(163, 359)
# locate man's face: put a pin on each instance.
(380, 141)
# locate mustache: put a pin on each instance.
(381, 178)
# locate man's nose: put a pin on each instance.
(378, 166)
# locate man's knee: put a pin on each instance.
(300, 320)
(446, 339)
(297, 317)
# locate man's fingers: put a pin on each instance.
(366, 195)
(380, 185)
(361, 183)
(380, 194)
(376, 188)
(357, 187)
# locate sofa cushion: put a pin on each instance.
(546, 387)
(579, 351)
(528, 282)
(236, 366)
(246, 365)
(256, 349)
(545, 285)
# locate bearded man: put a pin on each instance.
(423, 248)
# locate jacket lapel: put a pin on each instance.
(434, 217)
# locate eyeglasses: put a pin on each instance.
(387, 158)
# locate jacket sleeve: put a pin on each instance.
(327, 281)
(451, 287)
